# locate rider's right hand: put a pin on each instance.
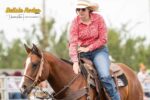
(76, 67)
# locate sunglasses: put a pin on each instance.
(81, 9)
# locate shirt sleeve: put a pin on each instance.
(73, 41)
(102, 38)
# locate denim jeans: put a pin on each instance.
(100, 58)
(15, 96)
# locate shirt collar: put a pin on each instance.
(91, 15)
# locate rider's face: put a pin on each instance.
(82, 12)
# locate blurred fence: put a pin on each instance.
(9, 84)
(6, 88)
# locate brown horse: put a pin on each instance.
(40, 66)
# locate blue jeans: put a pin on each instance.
(100, 58)
(15, 95)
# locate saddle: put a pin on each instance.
(89, 71)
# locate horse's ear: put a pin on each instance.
(36, 50)
(28, 50)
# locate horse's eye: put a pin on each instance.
(34, 65)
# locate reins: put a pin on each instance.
(68, 85)
(74, 95)
(53, 96)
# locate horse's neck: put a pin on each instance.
(61, 73)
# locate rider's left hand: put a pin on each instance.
(83, 49)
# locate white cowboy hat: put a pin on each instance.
(87, 4)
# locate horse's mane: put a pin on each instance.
(62, 59)
(67, 61)
(83, 70)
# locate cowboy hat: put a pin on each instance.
(87, 4)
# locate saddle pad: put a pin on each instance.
(122, 81)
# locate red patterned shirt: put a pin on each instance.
(92, 36)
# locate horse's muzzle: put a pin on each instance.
(24, 90)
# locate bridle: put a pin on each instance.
(37, 79)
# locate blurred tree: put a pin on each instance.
(47, 39)
(127, 50)
(123, 48)
(15, 54)
(3, 49)
(114, 44)
(130, 52)
(60, 48)
(1, 55)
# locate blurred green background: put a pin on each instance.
(123, 48)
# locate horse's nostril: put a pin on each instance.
(24, 86)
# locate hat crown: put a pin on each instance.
(83, 2)
(87, 3)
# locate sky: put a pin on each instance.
(115, 12)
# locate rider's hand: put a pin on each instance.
(83, 49)
(76, 67)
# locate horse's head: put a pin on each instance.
(34, 65)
